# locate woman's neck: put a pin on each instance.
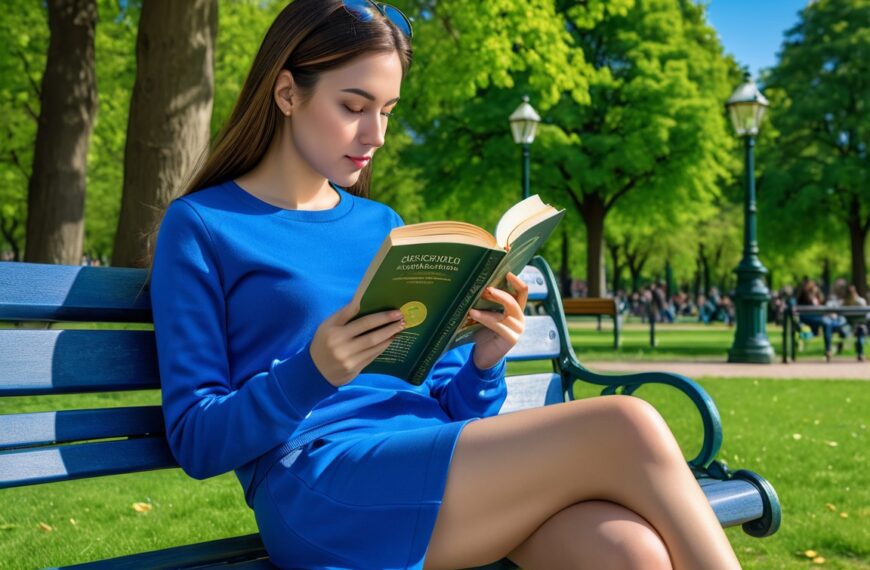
(285, 179)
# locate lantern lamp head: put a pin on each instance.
(747, 106)
(524, 122)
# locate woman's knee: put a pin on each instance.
(642, 429)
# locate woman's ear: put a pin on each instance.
(284, 92)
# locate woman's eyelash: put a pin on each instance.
(387, 115)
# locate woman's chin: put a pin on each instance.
(347, 180)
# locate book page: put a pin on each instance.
(515, 215)
(523, 249)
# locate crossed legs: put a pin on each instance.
(593, 483)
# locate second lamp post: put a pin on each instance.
(524, 122)
(747, 106)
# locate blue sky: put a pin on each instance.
(752, 30)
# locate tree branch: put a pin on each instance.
(27, 72)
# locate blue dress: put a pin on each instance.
(337, 477)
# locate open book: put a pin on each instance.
(435, 272)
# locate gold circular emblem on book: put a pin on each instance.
(414, 313)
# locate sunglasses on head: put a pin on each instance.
(364, 10)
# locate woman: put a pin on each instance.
(260, 364)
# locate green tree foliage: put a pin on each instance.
(630, 93)
(24, 27)
(815, 156)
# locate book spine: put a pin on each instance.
(455, 317)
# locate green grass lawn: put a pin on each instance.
(93, 518)
(679, 341)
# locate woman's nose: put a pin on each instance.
(374, 132)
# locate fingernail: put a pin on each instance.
(396, 314)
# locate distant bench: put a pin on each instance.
(609, 307)
(791, 323)
(595, 306)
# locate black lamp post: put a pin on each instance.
(524, 122)
(747, 107)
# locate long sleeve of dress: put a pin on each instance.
(211, 427)
(462, 389)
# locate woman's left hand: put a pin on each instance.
(502, 330)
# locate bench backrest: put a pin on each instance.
(38, 360)
(589, 306)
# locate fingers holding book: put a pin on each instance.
(507, 327)
(341, 348)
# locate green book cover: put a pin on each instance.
(434, 272)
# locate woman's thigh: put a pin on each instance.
(511, 472)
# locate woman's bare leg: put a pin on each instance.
(595, 535)
(512, 472)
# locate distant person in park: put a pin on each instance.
(809, 293)
(859, 323)
(255, 265)
(707, 308)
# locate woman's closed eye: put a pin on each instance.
(355, 112)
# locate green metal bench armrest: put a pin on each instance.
(571, 370)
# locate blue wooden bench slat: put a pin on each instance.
(46, 292)
(532, 391)
(99, 294)
(17, 430)
(66, 361)
(64, 462)
(63, 361)
(241, 550)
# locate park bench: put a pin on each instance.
(606, 306)
(38, 358)
(597, 307)
(791, 324)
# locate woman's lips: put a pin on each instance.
(359, 163)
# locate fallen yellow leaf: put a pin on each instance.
(73, 521)
(830, 507)
(844, 515)
(810, 553)
(45, 527)
(819, 560)
(796, 436)
(832, 443)
(141, 507)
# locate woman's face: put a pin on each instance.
(347, 116)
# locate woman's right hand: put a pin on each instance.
(341, 349)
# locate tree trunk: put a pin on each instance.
(170, 112)
(68, 104)
(592, 210)
(826, 277)
(617, 267)
(857, 239)
(565, 276)
(705, 269)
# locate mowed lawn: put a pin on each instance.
(683, 340)
(808, 437)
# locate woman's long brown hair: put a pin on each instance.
(308, 37)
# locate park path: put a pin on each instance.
(806, 370)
